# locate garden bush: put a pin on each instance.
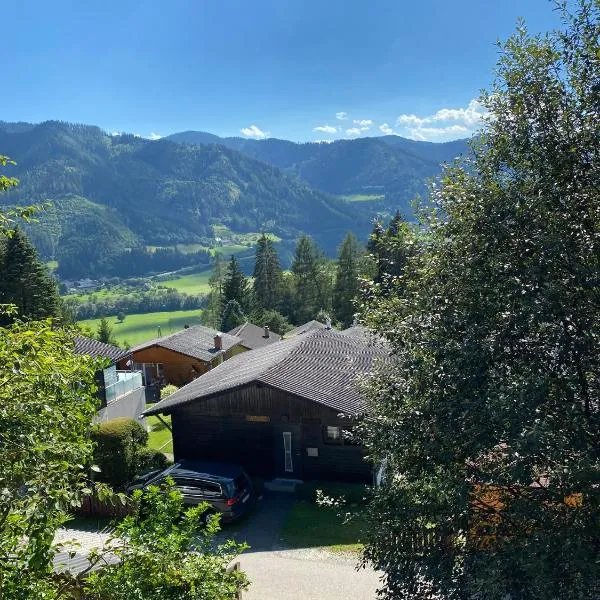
(120, 445)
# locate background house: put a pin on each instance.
(121, 392)
(277, 410)
(305, 328)
(181, 357)
(253, 336)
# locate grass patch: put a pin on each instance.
(363, 197)
(139, 328)
(309, 525)
(194, 283)
(159, 437)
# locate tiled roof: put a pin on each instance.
(321, 366)
(253, 336)
(197, 342)
(310, 326)
(91, 347)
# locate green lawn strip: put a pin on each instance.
(194, 283)
(159, 437)
(139, 328)
(309, 525)
(363, 197)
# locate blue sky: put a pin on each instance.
(301, 70)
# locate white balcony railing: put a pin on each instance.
(127, 381)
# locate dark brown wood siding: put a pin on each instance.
(246, 427)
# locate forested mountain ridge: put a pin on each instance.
(392, 166)
(108, 193)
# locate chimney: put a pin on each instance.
(218, 342)
(267, 332)
(328, 324)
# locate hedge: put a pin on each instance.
(120, 451)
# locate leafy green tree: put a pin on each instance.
(488, 426)
(105, 332)
(24, 280)
(46, 409)
(267, 275)
(235, 285)
(165, 552)
(312, 282)
(121, 316)
(347, 283)
(233, 315)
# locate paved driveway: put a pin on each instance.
(277, 573)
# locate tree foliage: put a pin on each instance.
(489, 423)
(267, 275)
(164, 552)
(24, 281)
(233, 315)
(46, 408)
(235, 285)
(347, 282)
(105, 333)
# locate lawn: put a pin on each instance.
(337, 529)
(138, 328)
(160, 436)
(194, 283)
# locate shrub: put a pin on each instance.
(150, 460)
(119, 443)
(168, 390)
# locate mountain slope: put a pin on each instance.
(125, 191)
(391, 165)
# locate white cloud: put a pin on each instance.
(154, 136)
(353, 131)
(323, 141)
(411, 120)
(254, 132)
(435, 133)
(445, 124)
(341, 116)
(363, 122)
(325, 129)
(386, 129)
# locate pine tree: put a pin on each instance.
(235, 285)
(24, 280)
(233, 315)
(347, 280)
(214, 308)
(267, 275)
(105, 332)
(311, 281)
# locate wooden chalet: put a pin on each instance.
(283, 410)
(182, 356)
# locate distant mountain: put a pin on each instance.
(392, 166)
(109, 193)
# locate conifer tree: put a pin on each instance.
(347, 280)
(214, 308)
(267, 275)
(311, 280)
(233, 315)
(105, 332)
(24, 280)
(235, 285)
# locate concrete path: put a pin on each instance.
(290, 574)
(277, 573)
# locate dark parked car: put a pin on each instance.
(227, 488)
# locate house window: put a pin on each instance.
(333, 434)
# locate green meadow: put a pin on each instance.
(138, 328)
